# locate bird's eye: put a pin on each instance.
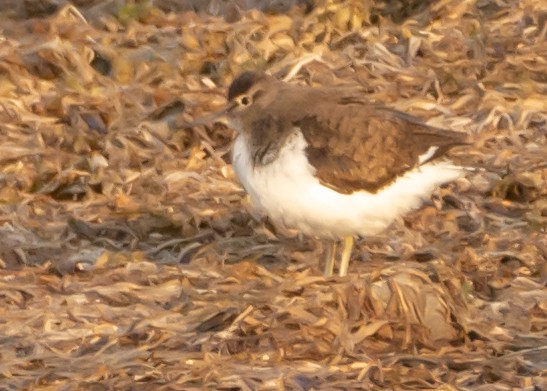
(245, 101)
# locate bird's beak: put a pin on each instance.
(230, 106)
(217, 116)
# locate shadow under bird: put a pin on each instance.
(330, 163)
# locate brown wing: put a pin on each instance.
(360, 146)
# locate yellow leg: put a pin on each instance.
(346, 254)
(329, 263)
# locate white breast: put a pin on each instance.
(289, 193)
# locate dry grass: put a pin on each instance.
(129, 257)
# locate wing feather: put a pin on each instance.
(359, 146)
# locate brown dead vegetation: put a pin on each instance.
(130, 259)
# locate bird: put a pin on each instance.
(331, 163)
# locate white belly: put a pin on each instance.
(289, 193)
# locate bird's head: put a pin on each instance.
(248, 91)
(248, 95)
